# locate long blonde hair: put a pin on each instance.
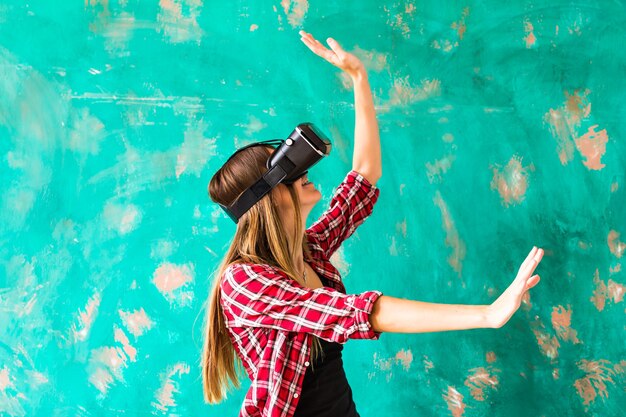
(260, 237)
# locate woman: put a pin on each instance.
(279, 307)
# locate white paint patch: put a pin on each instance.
(195, 151)
(105, 367)
(85, 319)
(86, 133)
(175, 283)
(137, 322)
(169, 387)
(178, 20)
(121, 218)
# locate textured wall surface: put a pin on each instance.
(502, 127)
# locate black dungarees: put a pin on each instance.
(325, 389)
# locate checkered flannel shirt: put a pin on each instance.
(270, 317)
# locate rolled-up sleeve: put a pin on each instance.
(255, 295)
(352, 202)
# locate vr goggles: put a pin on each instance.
(291, 159)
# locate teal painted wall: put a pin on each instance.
(502, 127)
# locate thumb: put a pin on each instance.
(532, 281)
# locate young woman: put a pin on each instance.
(279, 307)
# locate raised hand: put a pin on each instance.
(501, 310)
(336, 55)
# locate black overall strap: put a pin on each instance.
(261, 187)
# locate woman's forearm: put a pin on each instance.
(366, 158)
(398, 315)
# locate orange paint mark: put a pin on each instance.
(5, 379)
(460, 25)
(106, 365)
(614, 186)
(491, 357)
(381, 363)
(435, 170)
(86, 318)
(594, 383)
(399, 20)
(549, 344)
(530, 36)
(452, 42)
(480, 379)
(526, 303)
(592, 145)
(372, 60)
(253, 27)
(565, 121)
(137, 322)
(616, 291)
(165, 394)
(615, 246)
(179, 22)
(403, 92)
(600, 293)
(121, 337)
(405, 357)
(511, 181)
(606, 291)
(561, 322)
(454, 399)
(169, 277)
(401, 227)
(428, 364)
(295, 11)
(614, 270)
(452, 236)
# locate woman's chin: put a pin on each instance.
(312, 199)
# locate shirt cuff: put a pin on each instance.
(363, 304)
(355, 176)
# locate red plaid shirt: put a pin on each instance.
(270, 317)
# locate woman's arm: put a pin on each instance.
(366, 159)
(398, 315)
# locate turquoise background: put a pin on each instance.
(502, 127)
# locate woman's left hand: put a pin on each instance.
(336, 55)
(501, 310)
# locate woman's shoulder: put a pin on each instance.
(241, 273)
(241, 265)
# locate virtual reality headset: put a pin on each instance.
(290, 160)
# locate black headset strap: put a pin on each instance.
(261, 187)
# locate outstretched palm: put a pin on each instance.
(336, 55)
(501, 310)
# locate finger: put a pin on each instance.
(311, 38)
(539, 255)
(318, 49)
(334, 45)
(531, 262)
(534, 262)
(530, 256)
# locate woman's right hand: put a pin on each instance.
(501, 310)
(336, 55)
